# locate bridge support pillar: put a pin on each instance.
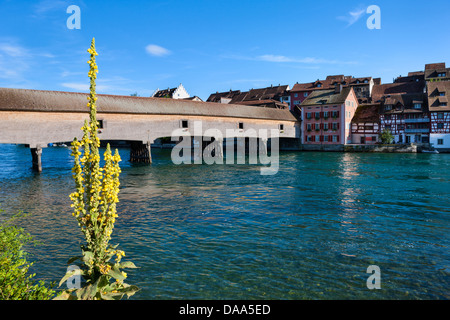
(36, 154)
(263, 147)
(140, 152)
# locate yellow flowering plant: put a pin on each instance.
(94, 205)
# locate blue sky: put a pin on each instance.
(217, 45)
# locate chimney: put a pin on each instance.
(337, 88)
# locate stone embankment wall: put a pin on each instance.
(390, 148)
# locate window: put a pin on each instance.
(440, 142)
(317, 138)
(308, 115)
(101, 124)
(441, 74)
(335, 114)
(335, 138)
(296, 95)
(440, 116)
(325, 126)
(319, 85)
(309, 138)
(325, 138)
(366, 81)
(325, 114)
(335, 125)
(388, 107)
(443, 104)
(308, 127)
(184, 124)
(317, 115)
(417, 106)
(305, 94)
(374, 138)
(281, 126)
(442, 94)
(241, 125)
(317, 126)
(440, 126)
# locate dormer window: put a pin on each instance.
(417, 106)
(443, 104)
(366, 81)
(442, 74)
(441, 94)
(319, 85)
(388, 107)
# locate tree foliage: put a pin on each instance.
(16, 282)
(386, 137)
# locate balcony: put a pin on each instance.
(417, 130)
(418, 120)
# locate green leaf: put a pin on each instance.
(65, 295)
(130, 290)
(87, 256)
(71, 260)
(115, 273)
(128, 264)
(88, 292)
(70, 274)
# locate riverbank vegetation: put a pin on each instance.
(16, 281)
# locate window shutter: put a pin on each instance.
(338, 125)
(321, 138)
(337, 114)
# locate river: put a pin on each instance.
(227, 232)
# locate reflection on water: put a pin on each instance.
(226, 232)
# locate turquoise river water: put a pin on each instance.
(226, 232)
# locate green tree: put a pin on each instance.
(386, 136)
(94, 203)
(16, 282)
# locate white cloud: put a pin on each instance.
(156, 50)
(353, 16)
(13, 50)
(45, 6)
(274, 58)
(306, 60)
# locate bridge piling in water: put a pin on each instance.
(140, 152)
(36, 154)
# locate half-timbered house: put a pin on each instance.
(439, 113)
(366, 124)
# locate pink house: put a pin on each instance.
(361, 86)
(327, 116)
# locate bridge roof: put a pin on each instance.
(58, 101)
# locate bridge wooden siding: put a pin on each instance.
(37, 118)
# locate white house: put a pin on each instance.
(172, 93)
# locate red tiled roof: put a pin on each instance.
(261, 94)
(434, 98)
(379, 91)
(435, 66)
(330, 82)
(367, 114)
